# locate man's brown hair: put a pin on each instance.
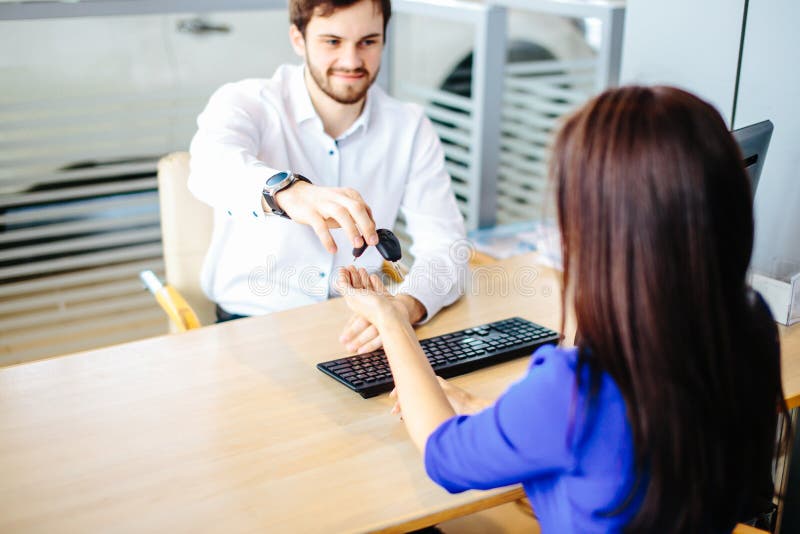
(301, 11)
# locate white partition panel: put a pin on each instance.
(769, 88)
(690, 44)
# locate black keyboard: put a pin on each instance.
(450, 354)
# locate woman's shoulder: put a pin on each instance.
(553, 362)
(553, 374)
(550, 397)
(549, 379)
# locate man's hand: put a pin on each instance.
(359, 334)
(461, 400)
(323, 208)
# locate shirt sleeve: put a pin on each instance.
(225, 171)
(523, 435)
(437, 277)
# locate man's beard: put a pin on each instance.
(347, 95)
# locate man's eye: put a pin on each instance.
(368, 42)
(332, 42)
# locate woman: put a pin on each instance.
(663, 417)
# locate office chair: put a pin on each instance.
(186, 225)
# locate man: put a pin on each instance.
(335, 158)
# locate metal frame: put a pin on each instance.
(488, 66)
(611, 14)
(488, 63)
(453, 10)
(105, 8)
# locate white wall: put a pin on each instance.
(695, 45)
(687, 43)
(769, 88)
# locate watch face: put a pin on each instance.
(277, 178)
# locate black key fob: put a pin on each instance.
(388, 245)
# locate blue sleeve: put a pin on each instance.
(523, 435)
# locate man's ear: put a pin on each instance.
(297, 40)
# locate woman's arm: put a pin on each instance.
(425, 405)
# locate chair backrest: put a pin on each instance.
(186, 225)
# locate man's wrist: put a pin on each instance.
(416, 310)
(288, 192)
(275, 184)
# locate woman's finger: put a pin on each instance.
(355, 277)
(377, 284)
(342, 281)
(364, 277)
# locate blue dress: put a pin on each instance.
(576, 478)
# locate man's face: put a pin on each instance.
(343, 50)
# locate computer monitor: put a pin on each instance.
(753, 142)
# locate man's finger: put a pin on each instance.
(345, 220)
(353, 330)
(363, 218)
(371, 345)
(345, 336)
(363, 339)
(323, 234)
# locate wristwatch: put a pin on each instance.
(278, 182)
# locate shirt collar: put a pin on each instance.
(301, 104)
(304, 110)
(363, 120)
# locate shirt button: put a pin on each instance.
(331, 152)
(322, 275)
(538, 361)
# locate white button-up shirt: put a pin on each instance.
(391, 155)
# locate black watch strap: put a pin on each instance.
(270, 200)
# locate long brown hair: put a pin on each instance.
(655, 211)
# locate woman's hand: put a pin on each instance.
(461, 400)
(368, 299)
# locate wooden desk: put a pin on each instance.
(232, 428)
(790, 363)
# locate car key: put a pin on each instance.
(388, 246)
